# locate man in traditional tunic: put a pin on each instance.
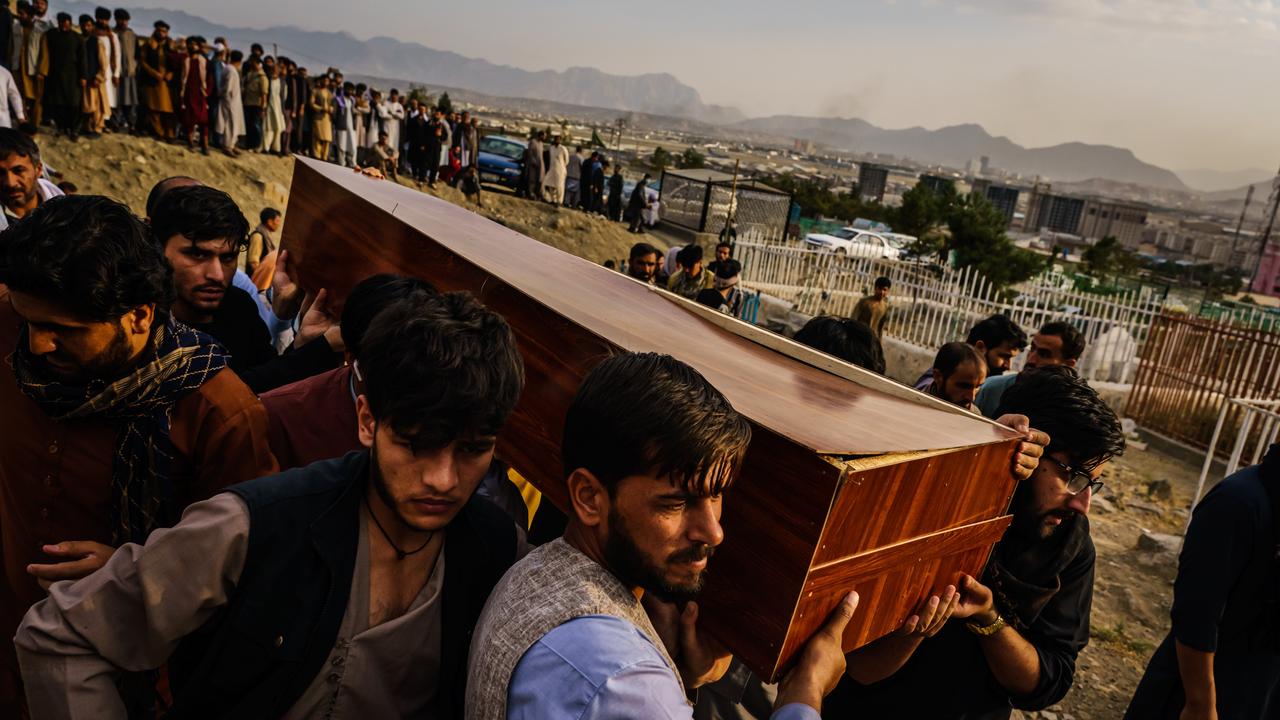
(273, 125)
(84, 471)
(253, 96)
(386, 553)
(95, 75)
(111, 46)
(127, 98)
(62, 86)
(30, 60)
(321, 119)
(154, 76)
(230, 111)
(557, 171)
(649, 447)
(195, 95)
(344, 124)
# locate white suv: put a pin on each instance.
(853, 242)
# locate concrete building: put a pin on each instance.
(1002, 197)
(1106, 218)
(1090, 218)
(937, 183)
(872, 180)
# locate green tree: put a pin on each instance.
(922, 212)
(1108, 257)
(691, 158)
(444, 104)
(979, 240)
(419, 93)
(660, 158)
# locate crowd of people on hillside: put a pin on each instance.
(221, 497)
(86, 76)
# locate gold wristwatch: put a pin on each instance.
(987, 630)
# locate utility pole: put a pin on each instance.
(733, 196)
(1248, 196)
(1273, 203)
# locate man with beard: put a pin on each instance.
(348, 587)
(642, 264)
(958, 373)
(202, 232)
(22, 190)
(154, 74)
(649, 447)
(999, 339)
(115, 417)
(1056, 343)
(1013, 636)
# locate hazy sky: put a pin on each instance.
(1183, 83)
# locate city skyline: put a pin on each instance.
(1180, 82)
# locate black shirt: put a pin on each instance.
(948, 676)
(1220, 606)
(238, 326)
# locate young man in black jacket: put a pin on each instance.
(1009, 639)
(325, 589)
(202, 232)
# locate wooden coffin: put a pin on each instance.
(851, 481)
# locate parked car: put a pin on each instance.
(853, 242)
(501, 160)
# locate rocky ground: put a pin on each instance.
(1147, 491)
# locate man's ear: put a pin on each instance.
(981, 347)
(139, 320)
(589, 497)
(366, 425)
(1069, 363)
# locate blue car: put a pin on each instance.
(501, 160)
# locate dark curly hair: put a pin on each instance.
(997, 330)
(640, 413)
(438, 366)
(198, 213)
(370, 297)
(1059, 402)
(90, 254)
(848, 339)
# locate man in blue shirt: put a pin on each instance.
(649, 449)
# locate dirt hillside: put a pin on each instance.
(125, 167)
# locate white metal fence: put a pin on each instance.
(931, 306)
(1259, 428)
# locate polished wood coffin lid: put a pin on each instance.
(850, 481)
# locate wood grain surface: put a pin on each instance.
(801, 522)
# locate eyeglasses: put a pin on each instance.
(1077, 480)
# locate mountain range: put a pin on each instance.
(955, 145)
(662, 94)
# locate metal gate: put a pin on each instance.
(1188, 370)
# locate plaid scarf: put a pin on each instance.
(139, 405)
